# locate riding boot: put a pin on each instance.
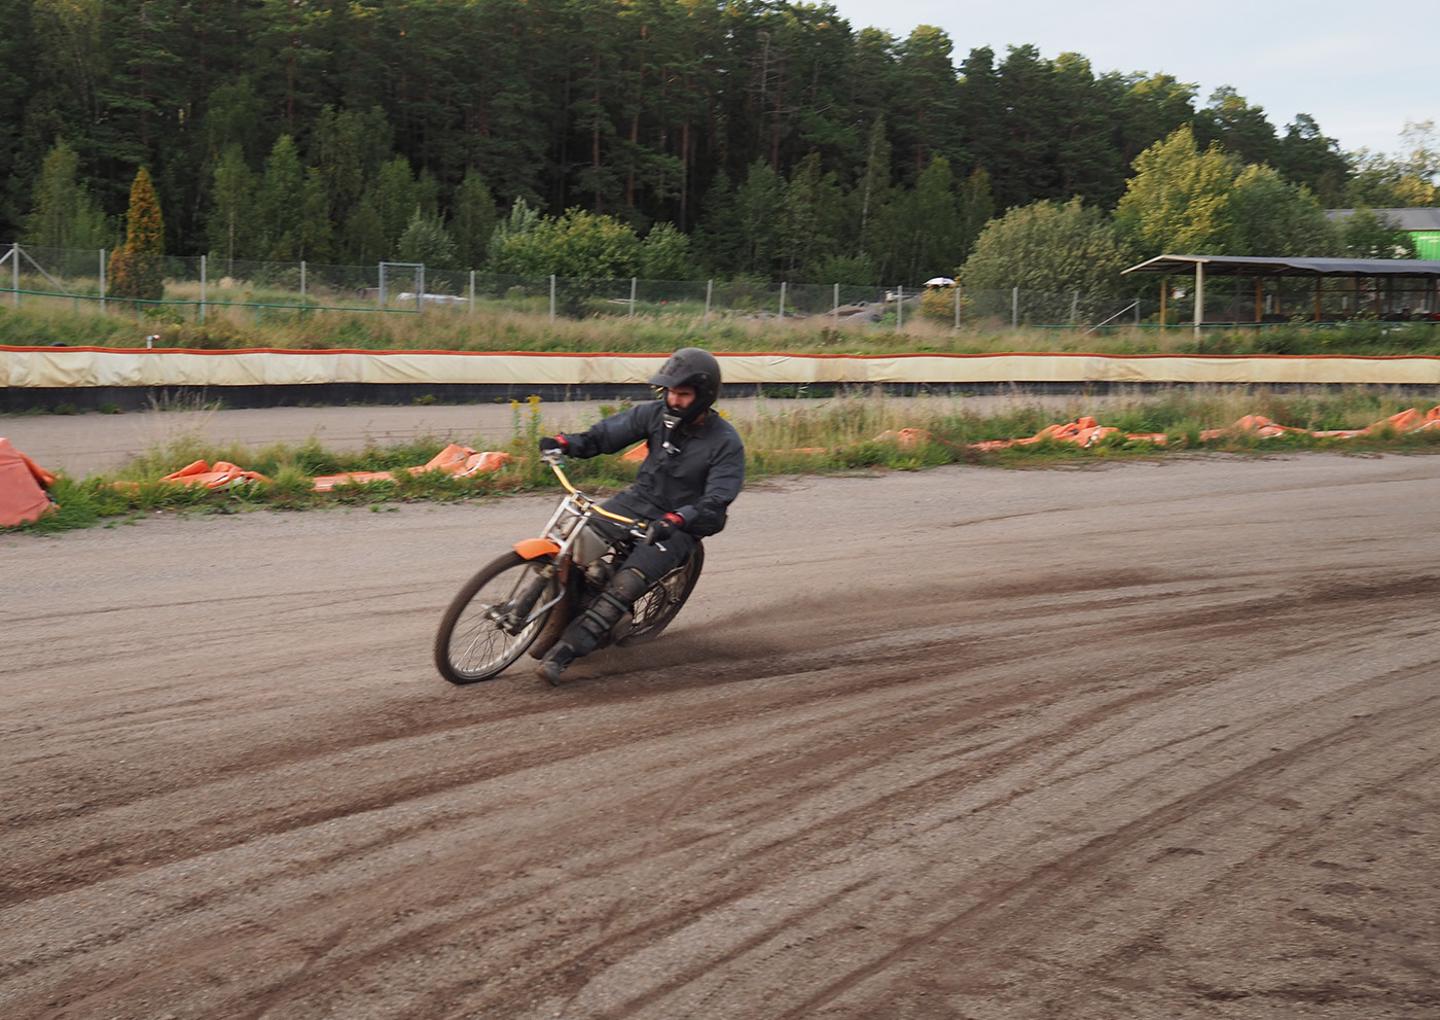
(555, 662)
(590, 629)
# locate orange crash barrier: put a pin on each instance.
(219, 475)
(23, 485)
(1084, 431)
(457, 460)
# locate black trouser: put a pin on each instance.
(653, 561)
(645, 565)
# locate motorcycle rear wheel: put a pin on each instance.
(472, 644)
(663, 600)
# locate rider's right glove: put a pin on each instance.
(548, 443)
(662, 528)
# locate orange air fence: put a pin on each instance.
(23, 485)
(459, 461)
(219, 475)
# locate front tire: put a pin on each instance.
(472, 643)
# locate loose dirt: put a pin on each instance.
(1141, 741)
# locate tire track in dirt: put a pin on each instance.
(1037, 795)
(1040, 887)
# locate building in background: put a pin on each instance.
(1422, 224)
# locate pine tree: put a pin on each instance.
(928, 125)
(1239, 127)
(472, 219)
(135, 269)
(759, 208)
(811, 226)
(348, 147)
(1306, 156)
(718, 237)
(395, 198)
(365, 241)
(278, 202)
(316, 235)
(17, 78)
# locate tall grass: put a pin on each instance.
(45, 321)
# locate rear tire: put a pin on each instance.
(663, 600)
(471, 645)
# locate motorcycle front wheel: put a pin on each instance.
(477, 640)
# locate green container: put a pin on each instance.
(1427, 244)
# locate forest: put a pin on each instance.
(669, 138)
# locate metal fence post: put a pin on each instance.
(202, 287)
(837, 304)
(957, 306)
(632, 297)
(782, 299)
(472, 292)
(302, 281)
(15, 272)
(102, 280)
(1199, 298)
(552, 297)
(1014, 307)
(899, 308)
(709, 290)
(420, 288)
(1074, 307)
(380, 269)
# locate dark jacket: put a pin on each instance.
(698, 483)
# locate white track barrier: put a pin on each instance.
(65, 367)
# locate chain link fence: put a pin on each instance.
(197, 288)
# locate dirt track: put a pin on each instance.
(1148, 741)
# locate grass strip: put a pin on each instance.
(784, 438)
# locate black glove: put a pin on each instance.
(662, 528)
(548, 443)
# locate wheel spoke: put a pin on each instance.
(478, 643)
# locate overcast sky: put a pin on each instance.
(1359, 70)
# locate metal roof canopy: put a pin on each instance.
(1243, 265)
(1260, 268)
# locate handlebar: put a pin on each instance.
(556, 460)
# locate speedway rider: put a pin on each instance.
(693, 470)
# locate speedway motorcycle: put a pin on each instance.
(522, 601)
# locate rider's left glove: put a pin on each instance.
(548, 443)
(662, 528)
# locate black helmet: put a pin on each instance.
(690, 366)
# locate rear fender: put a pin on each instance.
(536, 548)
